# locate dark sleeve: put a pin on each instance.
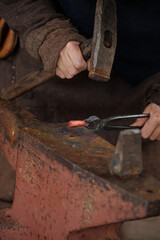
(153, 94)
(39, 25)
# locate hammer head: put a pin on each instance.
(127, 159)
(104, 40)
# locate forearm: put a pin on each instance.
(24, 16)
(38, 20)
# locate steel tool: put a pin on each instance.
(95, 123)
(127, 159)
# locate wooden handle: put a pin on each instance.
(25, 84)
(34, 79)
(86, 49)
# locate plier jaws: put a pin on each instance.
(96, 124)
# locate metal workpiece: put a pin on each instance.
(127, 159)
(64, 188)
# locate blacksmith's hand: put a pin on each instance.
(151, 126)
(71, 61)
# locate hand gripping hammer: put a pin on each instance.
(101, 49)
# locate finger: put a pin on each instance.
(151, 124)
(59, 73)
(147, 109)
(89, 64)
(156, 134)
(76, 57)
(66, 66)
(139, 122)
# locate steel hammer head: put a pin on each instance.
(104, 40)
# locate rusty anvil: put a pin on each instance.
(64, 189)
(101, 49)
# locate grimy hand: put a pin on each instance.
(71, 61)
(151, 128)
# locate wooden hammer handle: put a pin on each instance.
(86, 48)
(34, 79)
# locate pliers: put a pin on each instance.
(94, 123)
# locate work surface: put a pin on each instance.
(63, 179)
(151, 158)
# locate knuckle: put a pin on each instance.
(80, 65)
(148, 108)
(73, 72)
(70, 45)
(69, 76)
(152, 138)
(62, 76)
(156, 117)
(57, 73)
(61, 54)
(144, 134)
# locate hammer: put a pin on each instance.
(101, 49)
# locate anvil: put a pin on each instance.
(64, 188)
